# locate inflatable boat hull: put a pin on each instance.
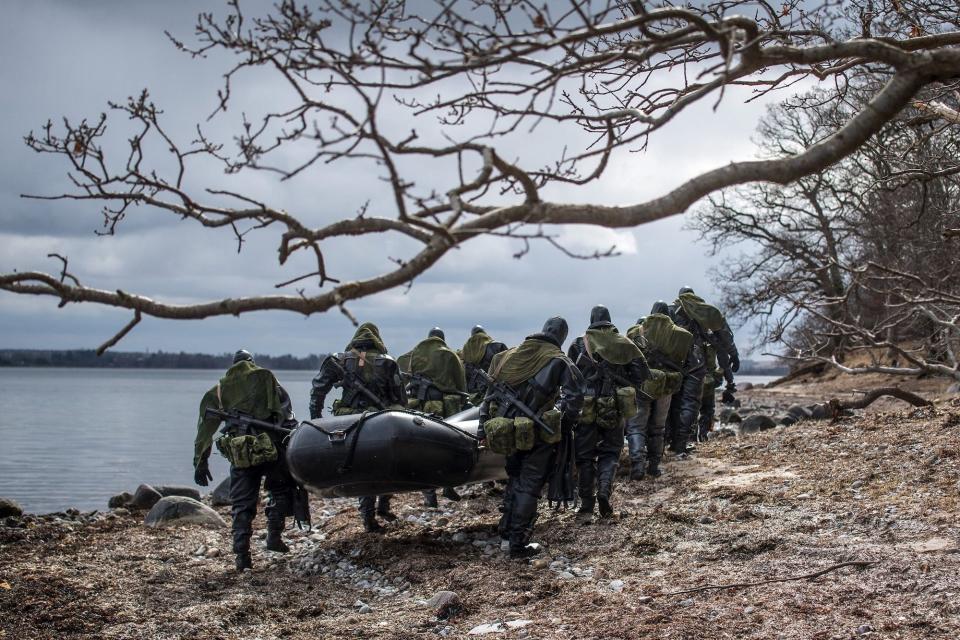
(389, 452)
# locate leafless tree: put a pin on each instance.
(486, 72)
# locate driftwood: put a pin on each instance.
(870, 396)
(807, 576)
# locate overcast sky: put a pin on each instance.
(68, 58)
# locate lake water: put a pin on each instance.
(74, 437)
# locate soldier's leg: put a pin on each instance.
(506, 508)
(585, 442)
(609, 446)
(689, 407)
(655, 434)
(637, 438)
(708, 407)
(367, 507)
(244, 494)
(279, 485)
(535, 466)
(383, 508)
(430, 498)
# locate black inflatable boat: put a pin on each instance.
(389, 452)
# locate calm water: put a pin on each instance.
(74, 437)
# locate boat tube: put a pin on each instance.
(390, 451)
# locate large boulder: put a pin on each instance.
(10, 509)
(220, 496)
(757, 422)
(729, 415)
(144, 497)
(180, 510)
(177, 490)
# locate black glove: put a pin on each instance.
(727, 396)
(735, 363)
(201, 475)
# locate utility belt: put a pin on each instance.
(446, 405)
(244, 447)
(507, 436)
(609, 411)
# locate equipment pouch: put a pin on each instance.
(588, 415)
(344, 411)
(247, 451)
(627, 402)
(608, 415)
(552, 419)
(500, 438)
(451, 404)
(433, 407)
(523, 433)
(413, 404)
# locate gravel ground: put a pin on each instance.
(881, 489)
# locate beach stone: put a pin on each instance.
(799, 412)
(787, 419)
(10, 509)
(178, 510)
(177, 490)
(755, 423)
(487, 628)
(443, 603)
(728, 414)
(120, 500)
(616, 586)
(746, 386)
(820, 411)
(145, 497)
(220, 496)
(954, 388)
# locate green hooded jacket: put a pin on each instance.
(368, 332)
(244, 387)
(611, 346)
(517, 365)
(706, 315)
(434, 360)
(475, 347)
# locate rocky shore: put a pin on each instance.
(843, 528)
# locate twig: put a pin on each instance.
(807, 576)
(119, 336)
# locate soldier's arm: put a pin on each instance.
(572, 389)
(322, 383)
(398, 392)
(461, 375)
(206, 427)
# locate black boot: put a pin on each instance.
(526, 551)
(275, 541)
(430, 499)
(244, 562)
(637, 471)
(603, 505)
(653, 468)
(386, 514)
(451, 494)
(370, 524)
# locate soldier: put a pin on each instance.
(613, 367)
(477, 354)
(534, 379)
(371, 380)
(708, 327)
(254, 392)
(437, 385)
(665, 347)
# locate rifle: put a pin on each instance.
(246, 421)
(301, 508)
(506, 393)
(351, 380)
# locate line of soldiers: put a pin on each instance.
(544, 409)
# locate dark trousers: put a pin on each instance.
(684, 409)
(245, 493)
(645, 432)
(708, 410)
(527, 473)
(374, 504)
(598, 456)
